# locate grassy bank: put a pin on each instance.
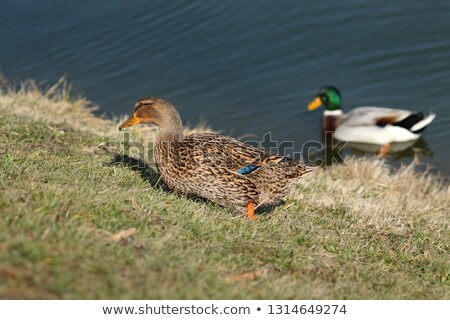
(78, 220)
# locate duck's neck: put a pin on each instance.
(337, 112)
(171, 130)
(331, 120)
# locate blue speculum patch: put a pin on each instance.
(247, 169)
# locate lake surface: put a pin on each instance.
(243, 66)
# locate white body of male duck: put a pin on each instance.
(373, 125)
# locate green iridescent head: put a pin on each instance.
(328, 96)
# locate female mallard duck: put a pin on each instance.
(373, 125)
(212, 166)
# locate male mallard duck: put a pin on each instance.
(373, 125)
(212, 166)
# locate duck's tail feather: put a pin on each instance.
(416, 122)
(422, 124)
(300, 167)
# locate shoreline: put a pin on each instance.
(78, 223)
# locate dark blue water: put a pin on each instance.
(244, 66)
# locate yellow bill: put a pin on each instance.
(314, 104)
(130, 122)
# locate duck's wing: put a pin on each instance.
(377, 116)
(228, 152)
(234, 173)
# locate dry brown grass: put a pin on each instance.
(382, 197)
(53, 105)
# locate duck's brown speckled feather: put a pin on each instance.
(206, 165)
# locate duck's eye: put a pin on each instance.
(137, 106)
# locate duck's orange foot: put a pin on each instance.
(251, 211)
(384, 150)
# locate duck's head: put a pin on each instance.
(328, 96)
(156, 111)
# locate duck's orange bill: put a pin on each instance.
(130, 122)
(314, 104)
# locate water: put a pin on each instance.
(244, 66)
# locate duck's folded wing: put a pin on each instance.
(227, 152)
(376, 116)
